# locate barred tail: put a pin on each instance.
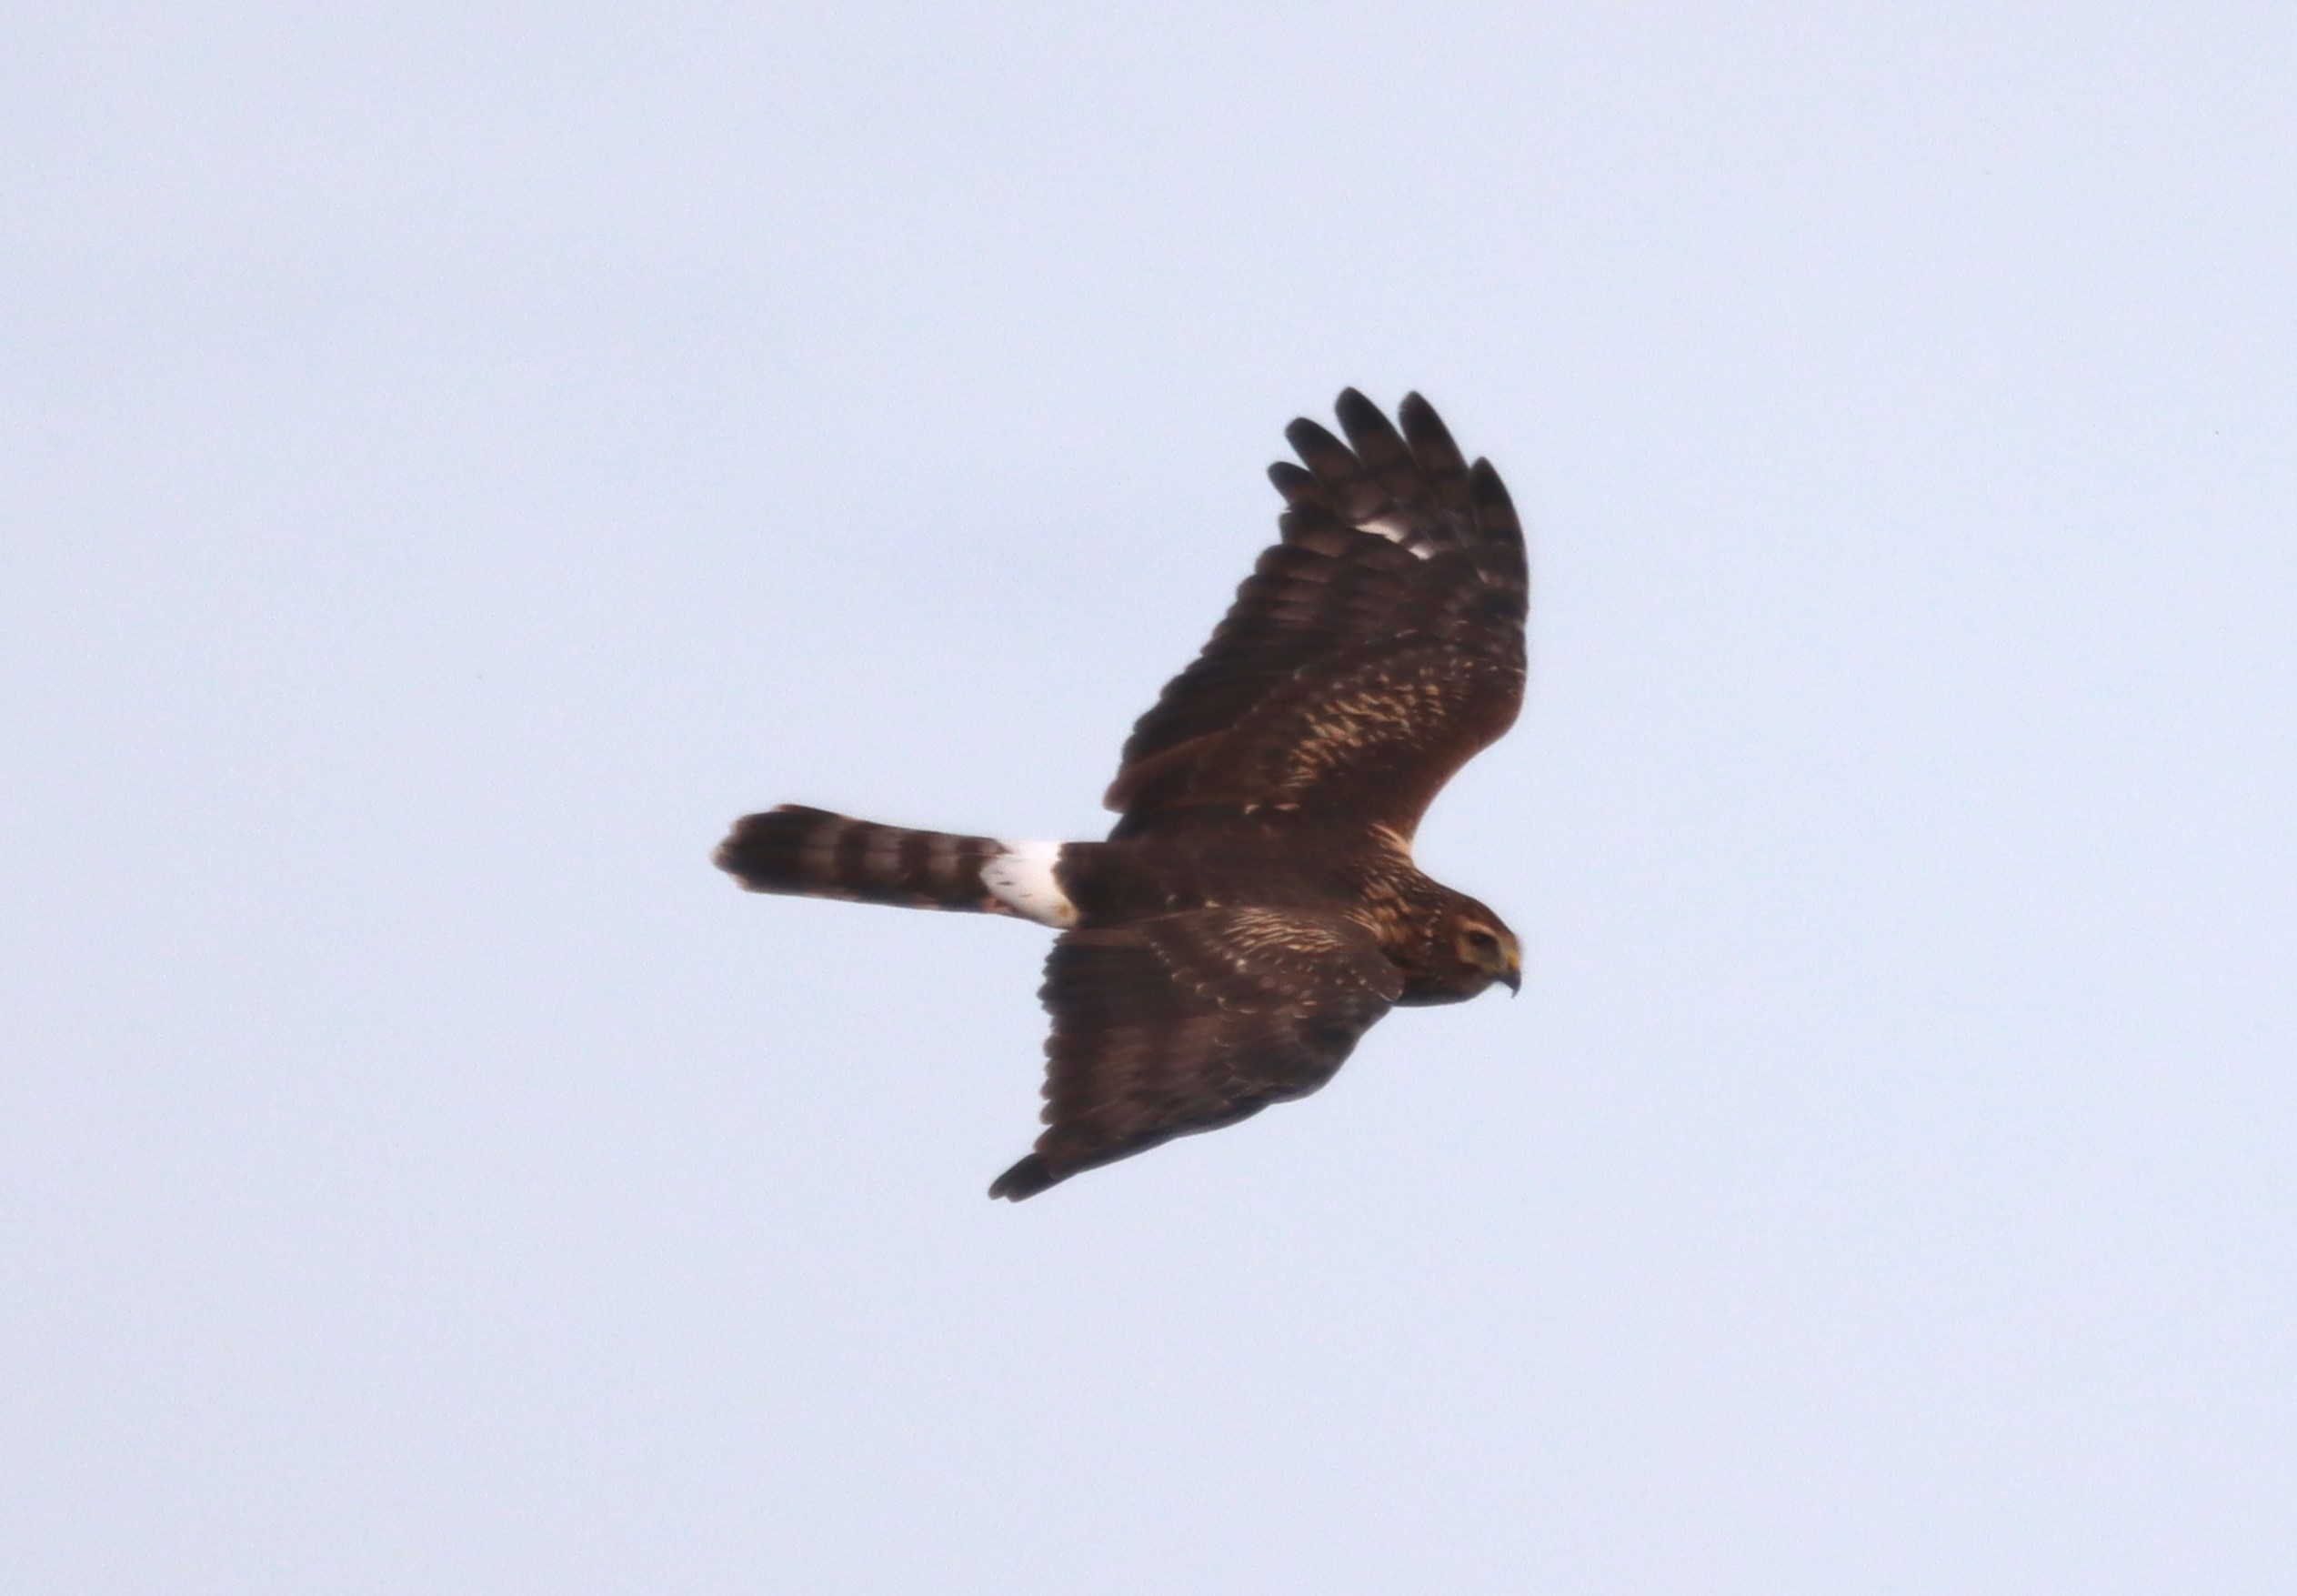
(817, 854)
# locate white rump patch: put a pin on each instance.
(1022, 879)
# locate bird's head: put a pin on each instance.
(1483, 950)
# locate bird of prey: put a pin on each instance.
(1256, 907)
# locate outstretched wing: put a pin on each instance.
(1190, 1021)
(1371, 654)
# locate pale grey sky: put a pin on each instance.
(457, 459)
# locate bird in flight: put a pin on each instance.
(1256, 907)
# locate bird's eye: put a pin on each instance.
(1482, 939)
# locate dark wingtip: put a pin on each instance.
(1024, 1179)
(1433, 450)
(1420, 417)
(1494, 508)
(1296, 482)
(1356, 412)
(1310, 439)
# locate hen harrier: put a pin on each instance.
(1256, 907)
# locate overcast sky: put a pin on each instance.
(458, 457)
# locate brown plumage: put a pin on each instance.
(1255, 909)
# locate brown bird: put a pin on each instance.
(1256, 907)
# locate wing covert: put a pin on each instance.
(1190, 1021)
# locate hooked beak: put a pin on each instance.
(1514, 976)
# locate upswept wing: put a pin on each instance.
(1372, 652)
(1190, 1021)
